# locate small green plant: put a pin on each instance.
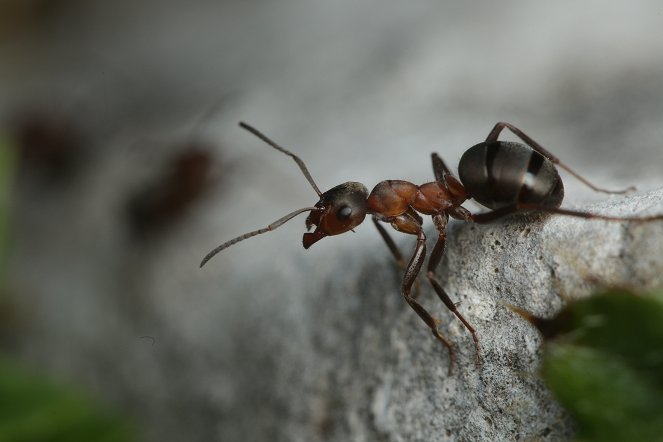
(603, 359)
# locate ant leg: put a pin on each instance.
(443, 175)
(440, 222)
(393, 248)
(407, 224)
(395, 251)
(488, 217)
(440, 168)
(492, 137)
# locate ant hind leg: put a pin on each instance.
(488, 217)
(494, 134)
(440, 168)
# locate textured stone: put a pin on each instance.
(362, 366)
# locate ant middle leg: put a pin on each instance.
(494, 134)
(410, 225)
(440, 222)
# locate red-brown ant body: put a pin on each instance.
(506, 177)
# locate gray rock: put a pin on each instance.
(353, 362)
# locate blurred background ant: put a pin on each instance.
(189, 173)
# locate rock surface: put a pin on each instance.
(356, 363)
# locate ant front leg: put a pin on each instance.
(494, 134)
(395, 251)
(406, 223)
(440, 222)
(393, 248)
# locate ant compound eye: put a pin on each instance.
(344, 213)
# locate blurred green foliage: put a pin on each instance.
(7, 166)
(605, 365)
(31, 408)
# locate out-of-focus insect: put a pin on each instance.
(49, 147)
(188, 177)
(189, 174)
(506, 177)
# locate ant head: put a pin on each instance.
(342, 208)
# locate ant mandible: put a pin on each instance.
(506, 177)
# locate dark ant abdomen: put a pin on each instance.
(500, 173)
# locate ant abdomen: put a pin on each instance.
(501, 173)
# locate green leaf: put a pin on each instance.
(605, 365)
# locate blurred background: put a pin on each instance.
(122, 165)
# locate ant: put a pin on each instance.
(507, 177)
(49, 146)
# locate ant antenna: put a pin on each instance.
(279, 222)
(298, 160)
